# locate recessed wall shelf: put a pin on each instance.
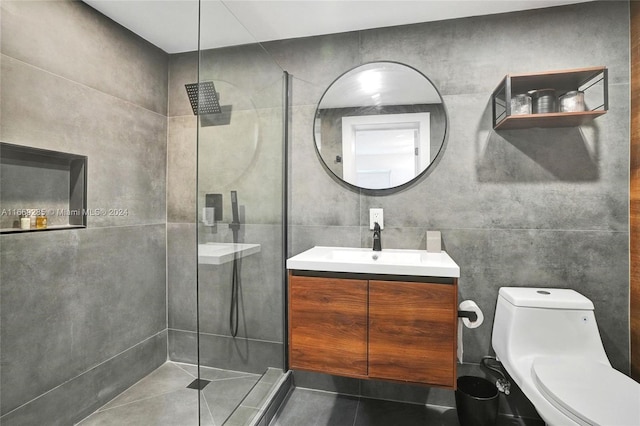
(43, 181)
(592, 81)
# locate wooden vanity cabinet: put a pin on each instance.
(403, 331)
(328, 325)
(412, 332)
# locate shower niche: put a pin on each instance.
(39, 182)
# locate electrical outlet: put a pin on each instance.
(375, 215)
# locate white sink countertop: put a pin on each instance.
(367, 261)
(219, 253)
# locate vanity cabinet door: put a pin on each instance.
(328, 325)
(412, 332)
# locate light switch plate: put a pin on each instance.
(375, 215)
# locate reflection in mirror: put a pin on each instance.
(380, 125)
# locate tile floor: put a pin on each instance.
(162, 398)
(315, 408)
(306, 407)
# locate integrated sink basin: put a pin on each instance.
(367, 261)
(404, 257)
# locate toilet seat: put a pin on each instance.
(587, 391)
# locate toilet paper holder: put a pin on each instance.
(472, 316)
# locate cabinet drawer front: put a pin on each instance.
(328, 325)
(412, 329)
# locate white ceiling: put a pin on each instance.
(172, 25)
(380, 83)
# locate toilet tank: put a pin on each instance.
(531, 322)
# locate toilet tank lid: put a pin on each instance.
(553, 298)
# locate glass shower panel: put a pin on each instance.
(240, 191)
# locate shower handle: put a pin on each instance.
(235, 222)
(235, 277)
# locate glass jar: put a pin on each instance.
(544, 101)
(572, 101)
(25, 222)
(41, 222)
(521, 104)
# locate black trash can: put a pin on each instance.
(476, 401)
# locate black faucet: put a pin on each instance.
(377, 241)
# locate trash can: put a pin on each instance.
(476, 401)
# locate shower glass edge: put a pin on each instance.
(240, 222)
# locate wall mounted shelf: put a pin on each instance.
(592, 81)
(51, 182)
(48, 228)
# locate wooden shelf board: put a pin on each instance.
(560, 80)
(556, 119)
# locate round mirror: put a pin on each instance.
(380, 125)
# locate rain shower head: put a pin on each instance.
(203, 98)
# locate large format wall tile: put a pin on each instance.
(249, 76)
(125, 144)
(182, 276)
(314, 197)
(260, 291)
(181, 169)
(331, 56)
(80, 396)
(71, 299)
(594, 263)
(72, 40)
(183, 69)
(536, 178)
(471, 55)
(240, 150)
(244, 156)
(304, 237)
(83, 311)
(240, 354)
(182, 346)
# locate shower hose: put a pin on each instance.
(235, 284)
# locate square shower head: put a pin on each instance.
(203, 98)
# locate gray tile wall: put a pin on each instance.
(83, 312)
(539, 207)
(182, 265)
(535, 207)
(243, 154)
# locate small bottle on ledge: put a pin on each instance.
(25, 222)
(41, 222)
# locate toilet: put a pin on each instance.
(548, 341)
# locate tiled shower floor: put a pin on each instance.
(163, 399)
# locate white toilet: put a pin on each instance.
(549, 343)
